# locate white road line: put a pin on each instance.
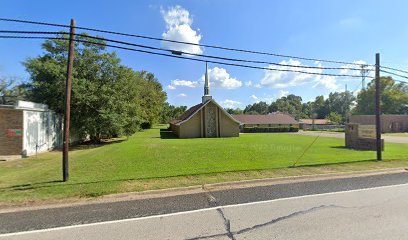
(198, 210)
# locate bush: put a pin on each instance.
(270, 129)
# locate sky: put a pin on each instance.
(351, 31)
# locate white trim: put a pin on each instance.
(199, 210)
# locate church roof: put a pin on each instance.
(187, 114)
(195, 109)
(274, 118)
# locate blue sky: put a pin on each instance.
(340, 30)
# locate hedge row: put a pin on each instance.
(271, 129)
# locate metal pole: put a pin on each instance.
(67, 115)
(378, 106)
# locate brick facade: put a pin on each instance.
(389, 123)
(11, 119)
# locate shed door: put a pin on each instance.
(211, 122)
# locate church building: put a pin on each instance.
(206, 119)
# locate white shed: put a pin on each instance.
(27, 128)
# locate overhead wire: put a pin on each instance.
(182, 42)
(185, 53)
(181, 57)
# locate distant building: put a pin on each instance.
(390, 123)
(307, 124)
(27, 128)
(274, 122)
(205, 120)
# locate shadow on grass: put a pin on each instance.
(335, 163)
(49, 184)
(91, 145)
(351, 149)
(167, 134)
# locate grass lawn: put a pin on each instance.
(396, 134)
(147, 161)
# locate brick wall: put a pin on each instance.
(389, 123)
(11, 119)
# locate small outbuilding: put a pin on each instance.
(205, 120)
(27, 128)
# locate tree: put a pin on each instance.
(108, 99)
(10, 91)
(340, 103)
(257, 108)
(290, 104)
(171, 112)
(235, 111)
(394, 98)
(335, 117)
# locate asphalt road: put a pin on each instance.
(215, 218)
(392, 139)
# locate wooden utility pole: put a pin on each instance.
(378, 106)
(67, 115)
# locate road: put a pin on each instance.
(371, 207)
(393, 139)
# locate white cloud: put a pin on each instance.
(328, 82)
(220, 78)
(182, 83)
(228, 103)
(253, 97)
(178, 28)
(283, 93)
(248, 84)
(266, 98)
(182, 95)
(284, 79)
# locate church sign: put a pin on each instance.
(366, 131)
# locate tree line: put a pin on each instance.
(338, 105)
(108, 98)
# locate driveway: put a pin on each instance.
(392, 139)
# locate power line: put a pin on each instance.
(181, 57)
(186, 53)
(180, 42)
(395, 74)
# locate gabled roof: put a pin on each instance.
(195, 109)
(187, 114)
(274, 118)
(316, 121)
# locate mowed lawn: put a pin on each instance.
(146, 157)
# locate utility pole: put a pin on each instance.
(378, 106)
(364, 72)
(346, 105)
(67, 115)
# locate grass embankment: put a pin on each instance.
(147, 161)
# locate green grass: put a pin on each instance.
(146, 161)
(396, 134)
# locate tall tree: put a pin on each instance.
(257, 108)
(394, 98)
(290, 104)
(108, 98)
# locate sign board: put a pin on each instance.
(14, 133)
(366, 131)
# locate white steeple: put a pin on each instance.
(207, 95)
